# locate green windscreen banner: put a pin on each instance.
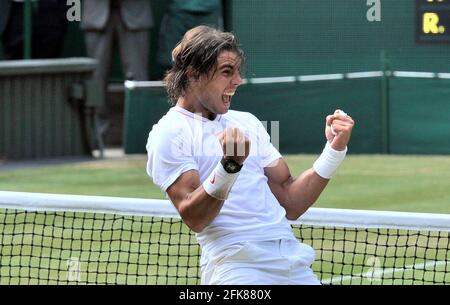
(307, 37)
(300, 109)
(419, 116)
(143, 108)
(415, 121)
(294, 112)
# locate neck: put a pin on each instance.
(193, 107)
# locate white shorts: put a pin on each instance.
(276, 262)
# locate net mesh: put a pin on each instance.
(100, 247)
(378, 256)
(66, 247)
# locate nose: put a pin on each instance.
(237, 79)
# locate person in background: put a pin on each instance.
(126, 21)
(49, 27)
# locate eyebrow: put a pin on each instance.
(227, 66)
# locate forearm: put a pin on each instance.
(302, 192)
(297, 195)
(198, 209)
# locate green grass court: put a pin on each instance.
(116, 249)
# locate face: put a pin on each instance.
(214, 92)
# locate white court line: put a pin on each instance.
(369, 274)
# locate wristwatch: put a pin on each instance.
(231, 166)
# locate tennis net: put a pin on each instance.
(69, 239)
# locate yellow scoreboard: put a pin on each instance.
(433, 21)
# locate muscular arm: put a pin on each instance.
(295, 195)
(196, 207)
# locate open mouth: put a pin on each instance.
(231, 93)
(227, 97)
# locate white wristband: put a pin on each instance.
(328, 162)
(219, 182)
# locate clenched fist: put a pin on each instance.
(338, 129)
(235, 145)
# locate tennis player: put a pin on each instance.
(227, 181)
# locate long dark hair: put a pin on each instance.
(197, 52)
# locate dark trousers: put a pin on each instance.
(49, 26)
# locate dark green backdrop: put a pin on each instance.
(298, 37)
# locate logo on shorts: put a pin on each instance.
(213, 179)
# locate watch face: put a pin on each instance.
(231, 166)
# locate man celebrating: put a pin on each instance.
(225, 178)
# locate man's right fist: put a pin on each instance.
(235, 145)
